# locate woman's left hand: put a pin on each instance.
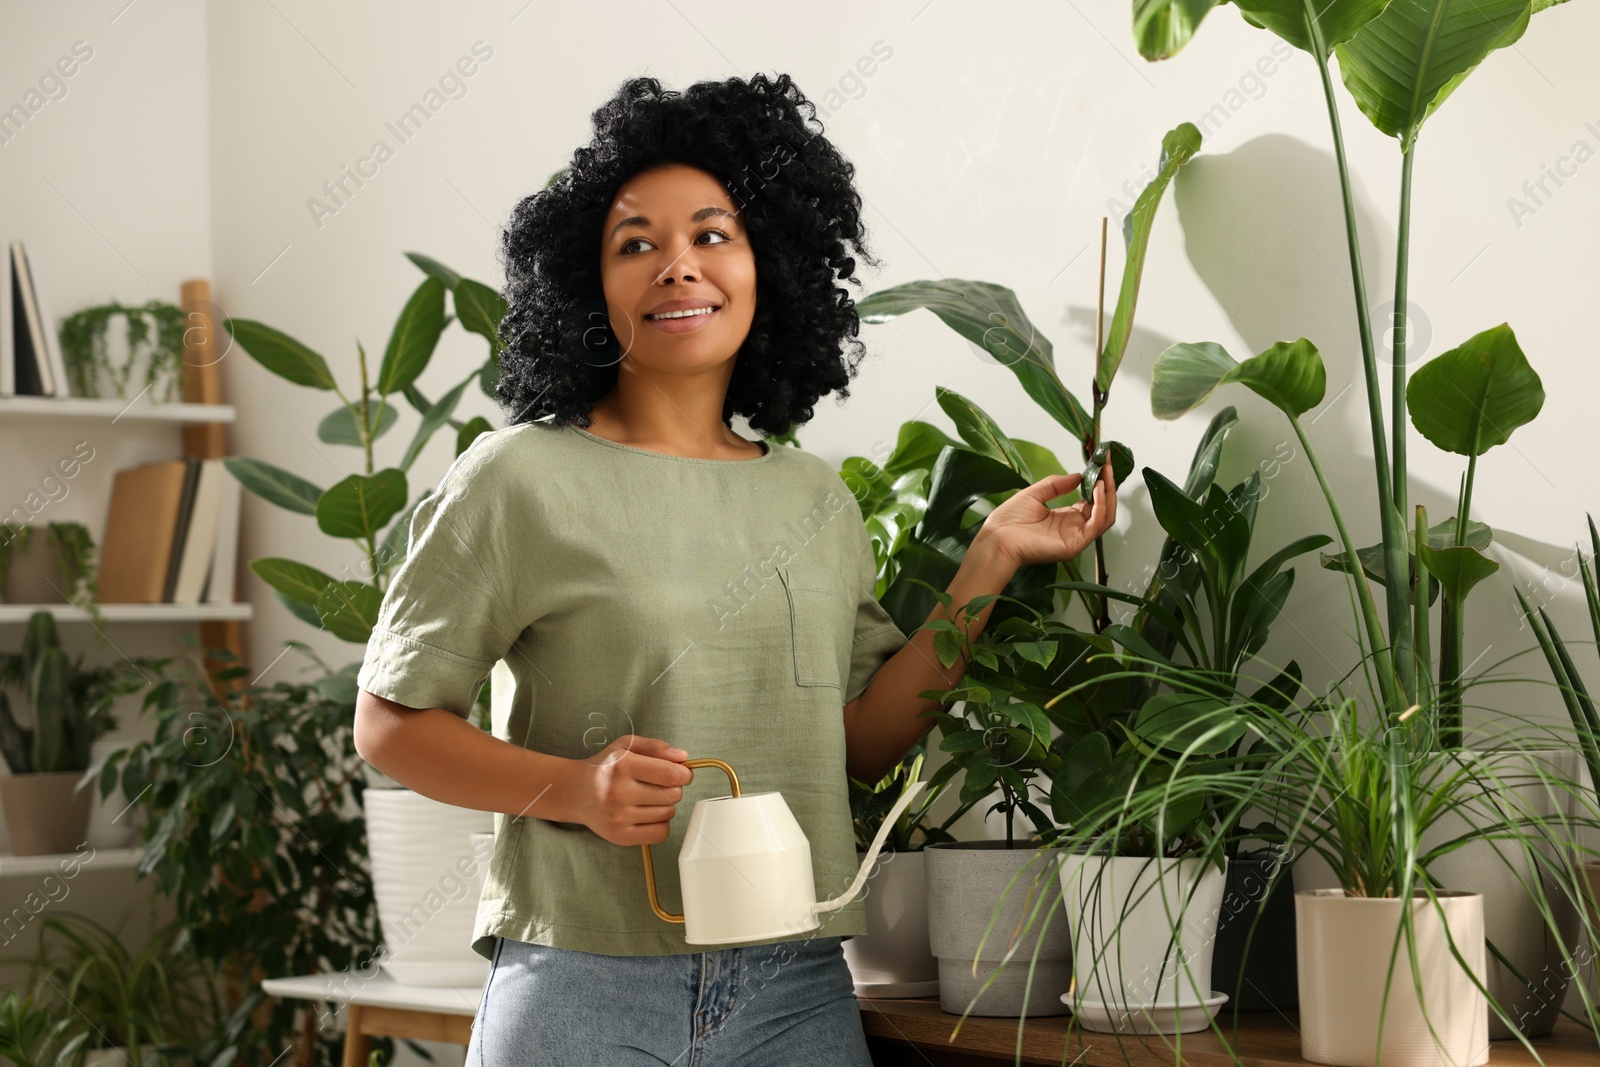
(1024, 531)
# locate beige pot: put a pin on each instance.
(1345, 945)
(43, 813)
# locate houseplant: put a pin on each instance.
(153, 1006)
(153, 365)
(982, 470)
(46, 809)
(1575, 695)
(255, 832)
(1399, 61)
(373, 509)
(33, 1034)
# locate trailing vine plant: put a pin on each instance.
(88, 360)
(74, 550)
(13, 541)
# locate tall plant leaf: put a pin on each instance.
(981, 432)
(1289, 374)
(415, 335)
(1177, 148)
(1471, 398)
(298, 581)
(989, 316)
(1403, 64)
(280, 353)
(342, 426)
(1162, 27)
(1292, 19)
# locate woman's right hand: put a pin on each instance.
(628, 793)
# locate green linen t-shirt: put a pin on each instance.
(725, 606)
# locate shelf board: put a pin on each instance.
(131, 612)
(17, 866)
(110, 410)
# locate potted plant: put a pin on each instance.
(1466, 401)
(983, 469)
(893, 958)
(1575, 695)
(33, 1034)
(415, 841)
(253, 829)
(47, 810)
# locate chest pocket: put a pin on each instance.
(815, 615)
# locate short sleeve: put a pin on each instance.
(444, 621)
(876, 635)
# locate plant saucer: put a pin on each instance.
(1145, 1019)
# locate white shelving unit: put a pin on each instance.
(95, 409)
(46, 407)
(19, 866)
(131, 612)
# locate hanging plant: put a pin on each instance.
(13, 542)
(88, 360)
(74, 552)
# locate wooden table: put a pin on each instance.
(916, 1033)
(381, 1007)
(900, 1033)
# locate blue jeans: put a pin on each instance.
(789, 1004)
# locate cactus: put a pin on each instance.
(71, 706)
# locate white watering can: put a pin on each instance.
(745, 867)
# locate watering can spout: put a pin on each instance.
(872, 854)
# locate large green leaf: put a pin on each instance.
(1162, 27)
(981, 433)
(1292, 19)
(1121, 466)
(1440, 536)
(1471, 398)
(298, 581)
(1177, 148)
(989, 316)
(349, 609)
(434, 269)
(1181, 517)
(415, 336)
(1188, 722)
(917, 448)
(280, 353)
(342, 426)
(960, 477)
(1458, 569)
(480, 310)
(1289, 374)
(1403, 64)
(274, 484)
(360, 505)
(436, 417)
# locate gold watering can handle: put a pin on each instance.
(649, 867)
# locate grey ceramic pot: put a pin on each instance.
(966, 880)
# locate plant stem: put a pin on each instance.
(1394, 546)
(1369, 609)
(1452, 635)
(1419, 602)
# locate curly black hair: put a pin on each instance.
(795, 192)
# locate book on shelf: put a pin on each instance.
(163, 532)
(31, 363)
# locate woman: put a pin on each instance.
(661, 587)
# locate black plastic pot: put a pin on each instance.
(1266, 980)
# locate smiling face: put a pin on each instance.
(673, 241)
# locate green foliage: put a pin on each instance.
(73, 548)
(14, 540)
(254, 831)
(360, 506)
(71, 705)
(32, 1034)
(162, 996)
(87, 357)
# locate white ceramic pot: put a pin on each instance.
(1143, 931)
(427, 877)
(893, 958)
(1345, 945)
